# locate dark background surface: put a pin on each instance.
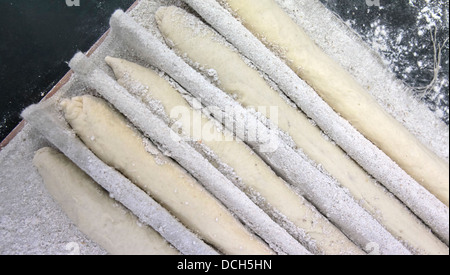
(400, 30)
(39, 37)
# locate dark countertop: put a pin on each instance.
(37, 39)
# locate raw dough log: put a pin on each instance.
(45, 119)
(254, 173)
(97, 215)
(187, 157)
(322, 190)
(108, 135)
(193, 39)
(424, 204)
(339, 89)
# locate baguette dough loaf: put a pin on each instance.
(89, 206)
(343, 93)
(254, 173)
(199, 43)
(109, 136)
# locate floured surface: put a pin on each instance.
(339, 90)
(94, 211)
(337, 40)
(32, 223)
(401, 31)
(379, 165)
(321, 189)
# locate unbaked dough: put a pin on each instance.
(202, 46)
(112, 139)
(254, 173)
(342, 92)
(97, 215)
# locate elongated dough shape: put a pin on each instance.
(292, 165)
(253, 172)
(342, 92)
(108, 135)
(96, 214)
(189, 36)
